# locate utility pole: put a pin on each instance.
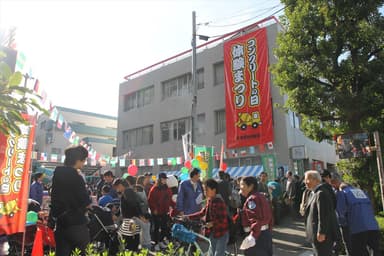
(379, 159)
(194, 85)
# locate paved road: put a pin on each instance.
(288, 239)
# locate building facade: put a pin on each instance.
(96, 130)
(155, 111)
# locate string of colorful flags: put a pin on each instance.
(122, 161)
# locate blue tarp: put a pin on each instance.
(252, 170)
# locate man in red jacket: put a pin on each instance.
(160, 201)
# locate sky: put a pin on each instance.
(80, 50)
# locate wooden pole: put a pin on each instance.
(379, 159)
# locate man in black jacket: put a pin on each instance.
(320, 216)
(69, 200)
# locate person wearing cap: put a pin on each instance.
(160, 201)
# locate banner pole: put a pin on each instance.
(31, 140)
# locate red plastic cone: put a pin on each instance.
(38, 249)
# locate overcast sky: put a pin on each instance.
(80, 50)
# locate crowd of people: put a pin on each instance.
(232, 208)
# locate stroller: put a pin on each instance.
(103, 230)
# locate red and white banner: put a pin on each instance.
(247, 90)
(15, 159)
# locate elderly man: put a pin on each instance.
(320, 217)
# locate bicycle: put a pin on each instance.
(185, 232)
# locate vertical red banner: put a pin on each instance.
(247, 90)
(15, 161)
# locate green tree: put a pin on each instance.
(14, 99)
(330, 64)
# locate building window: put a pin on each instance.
(200, 78)
(201, 124)
(179, 86)
(294, 119)
(56, 151)
(173, 130)
(138, 137)
(218, 73)
(139, 98)
(42, 125)
(219, 121)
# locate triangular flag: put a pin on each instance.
(60, 121)
(37, 249)
(36, 87)
(169, 161)
(142, 162)
(72, 137)
(68, 132)
(160, 161)
(122, 162)
(53, 158)
(179, 160)
(54, 114)
(151, 162)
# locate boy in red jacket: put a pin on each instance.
(160, 201)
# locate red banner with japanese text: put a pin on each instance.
(247, 90)
(15, 160)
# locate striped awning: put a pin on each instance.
(252, 170)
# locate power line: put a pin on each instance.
(239, 13)
(249, 19)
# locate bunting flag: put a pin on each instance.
(44, 97)
(141, 162)
(34, 155)
(53, 157)
(179, 160)
(60, 121)
(72, 137)
(160, 161)
(68, 132)
(151, 162)
(121, 162)
(54, 114)
(270, 145)
(133, 161)
(43, 156)
(36, 87)
(243, 152)
(76, 141)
